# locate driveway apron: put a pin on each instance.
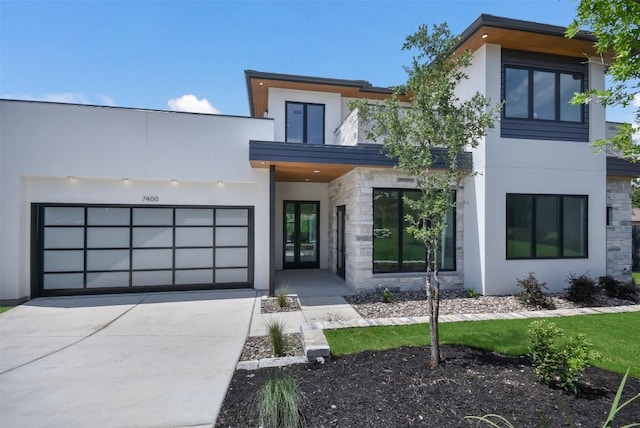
(142, 360)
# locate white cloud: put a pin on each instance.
(106, 100)
(636, 100)
(191, 103)
(66, 97)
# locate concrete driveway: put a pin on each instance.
(139, 360)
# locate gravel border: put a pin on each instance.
(269, 305)
(259, 347)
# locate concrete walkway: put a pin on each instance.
(138, 360)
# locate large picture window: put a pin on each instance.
(546, 226)
(542, 94)
(395, 250)
(304, 123)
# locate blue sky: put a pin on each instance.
(146, 53)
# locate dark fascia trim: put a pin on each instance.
(364, 85)
(145, 110)
(360, 155)
(518, 24)
(618, 167)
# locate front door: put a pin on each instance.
(301, 233)
(340, 247)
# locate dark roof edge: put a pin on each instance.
(149, 110)
(518, 24)
(618, 167)
(362, 84)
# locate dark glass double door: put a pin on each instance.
(301, 235)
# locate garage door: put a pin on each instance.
(86, 249)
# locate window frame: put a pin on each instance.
(530, 93)
(401, 227)
(533, 237)
(305, 139)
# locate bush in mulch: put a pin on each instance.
(397, 388)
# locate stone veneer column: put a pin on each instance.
(355, 191)
(619, 244)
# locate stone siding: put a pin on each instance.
(354, 190)
(619, 245)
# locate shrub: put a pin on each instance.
(276, 329)
(280, 402)
(617, 289)
(387, 296)
(582, 288)
(473, 294)
(558, 362)
(532, 293)
(281, 295)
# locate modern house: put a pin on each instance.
(103, 199)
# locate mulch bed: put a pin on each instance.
(397, 388)
(270, 305)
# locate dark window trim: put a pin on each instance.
(38, 250)
(304, 120)
(560, 226)
(401, 234)
(557, 104)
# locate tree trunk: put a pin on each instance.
(433, 305)
(434, 313)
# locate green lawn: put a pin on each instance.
(5, 308)
(615, 336)
(636, 277)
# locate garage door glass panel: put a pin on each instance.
(200, 276)
(107, 279)
(64, 237)
(152, 259)
(107, 260)
(153, 237)
(198, 257)
(231, 257)
(152, 216)
(231, 236)
(107, 237)
(108, 216)
(64, 216)
(63, 261)
(194, 237)
(194, 217)
(159, 277)
(58, 281)
(232, 217)
(231, 275)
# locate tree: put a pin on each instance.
(616, 25)
(432, 130)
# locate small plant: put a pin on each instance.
(532, 293)
(582, 288)
(558, 362)
(275, 328)
(473, 294)
(387, 296)
(281, 295)
(280, 402)
(615, 408)
(334, 316)
(617, 289)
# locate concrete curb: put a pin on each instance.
(270, 362)
(315, 343)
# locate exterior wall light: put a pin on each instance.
(174, 181)
(125, 179)
(266, 113)
(72, 177)
(484, 36)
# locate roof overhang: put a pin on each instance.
(258, 84)
(617, 167)
(324, 163)
(526, 36)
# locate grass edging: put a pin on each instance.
(609, 334)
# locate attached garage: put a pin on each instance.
(88, 249)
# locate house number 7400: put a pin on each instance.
(149, 198)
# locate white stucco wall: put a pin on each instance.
(286, 191)
(277, 110)
(44, 143)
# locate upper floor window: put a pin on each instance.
(305, 123)
(542, 94)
